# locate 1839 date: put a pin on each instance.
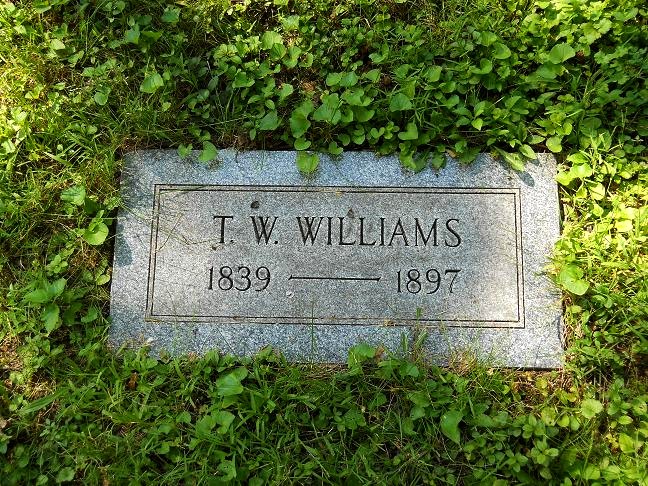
(246, 278)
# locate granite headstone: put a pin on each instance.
(246, 252)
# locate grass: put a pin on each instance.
(84, 82)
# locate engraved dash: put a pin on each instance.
(356, 279)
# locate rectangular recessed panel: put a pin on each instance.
(336, 255)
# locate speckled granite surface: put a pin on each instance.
(194, 271)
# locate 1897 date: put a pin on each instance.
(415, 281)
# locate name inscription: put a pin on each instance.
(336, 255)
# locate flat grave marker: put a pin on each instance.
(247, 252)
